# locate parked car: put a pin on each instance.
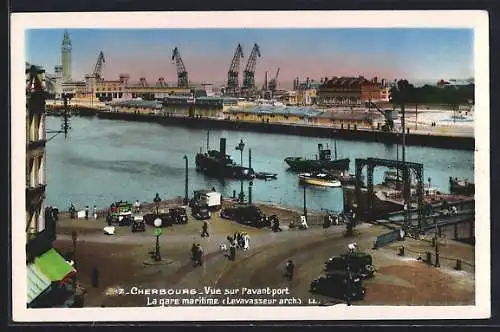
(360, 263)
(210, 199)
(138, 225)
(246, 214)
(178, 215)
(338, 286)
(166, 219)
(200, 212)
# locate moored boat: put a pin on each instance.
(461, 186)
(219, 164)
(319, 179)
(324, 162)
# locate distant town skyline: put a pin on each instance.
(418, 54)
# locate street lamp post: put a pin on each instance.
(157, 223)
(241, 147)
(186, 194)
(436, 242)
(305, 205)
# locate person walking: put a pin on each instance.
(246, 242)
(290, 267)
(232, 252)
(204, 232)
(95, 212)
(194, 250)
(137, 206)
(87, 212)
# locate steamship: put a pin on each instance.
(219, 164)
(324, 162)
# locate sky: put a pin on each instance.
(412, 53)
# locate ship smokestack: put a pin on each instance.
(222, 148)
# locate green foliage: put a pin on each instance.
(405, 93)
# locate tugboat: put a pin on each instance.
(460, 186)
(323, 163)
(219, 164)
(319, 179)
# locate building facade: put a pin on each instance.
(348, 91)
(51, 280)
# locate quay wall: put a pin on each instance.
(412, 139)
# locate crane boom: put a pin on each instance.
(249, 78)
(98, 66)
(234, 69)
(182, 75)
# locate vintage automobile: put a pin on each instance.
(360, 264)
(200, 212)
(120, 213)
(178, 215)
(339, 286)
(166, 219)
(138, 225)
(246, 214)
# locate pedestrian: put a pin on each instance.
(204, 232)
(137, 206)
(95, 212)
(246, 242)
(95, 277)
(194, 250)
(352, 247)
(72, 211)
(199, 256)
(232, 252)
(87, 212)
(290, 267)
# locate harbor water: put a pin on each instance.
(106, 160)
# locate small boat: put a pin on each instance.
(319, 179)
(266, 176)
(461, 186)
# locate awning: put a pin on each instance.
(38, 282)
(53, 265)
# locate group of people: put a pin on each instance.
(74, 214)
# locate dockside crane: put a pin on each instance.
(182, 75)
(98, 66)
(273, 84)
(249, 73)
(234, 70)
(389, 121)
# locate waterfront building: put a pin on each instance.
(50, 278)
(306, 116)
(350, 91)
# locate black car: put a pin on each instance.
(166, 219)
(138, 225)
(178, 215)
(246, 214)
(200, 212)
(338, 286)
(360, 263)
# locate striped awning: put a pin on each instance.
(38, 282)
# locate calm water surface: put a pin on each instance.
(106, 160)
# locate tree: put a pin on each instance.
(453, 98)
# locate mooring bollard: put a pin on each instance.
(401, 251)
(428, 257)
(458, 267)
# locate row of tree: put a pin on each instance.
(405, 93)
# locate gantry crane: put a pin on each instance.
(273, 84)
(182, 75)
(249, 73)
(234, 70)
